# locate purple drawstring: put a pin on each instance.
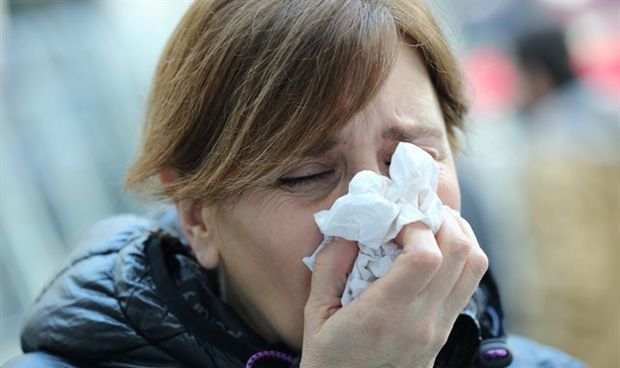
(269, 354)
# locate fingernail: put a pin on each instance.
(339, 240)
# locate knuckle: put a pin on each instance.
(462, 248)
(430, 333)
(423, 335)
(479, 263)
(467, 225)
(428, 259)
(379, 327)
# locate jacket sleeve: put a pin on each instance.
(40, 359)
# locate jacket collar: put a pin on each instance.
(191, 294)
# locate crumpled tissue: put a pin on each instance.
(375, 210)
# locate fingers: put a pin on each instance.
(332, 266)
(438, 270)
(476, 265)
(413, 268)
(455, 248)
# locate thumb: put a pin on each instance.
(332, 266)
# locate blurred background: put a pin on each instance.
(539, 164)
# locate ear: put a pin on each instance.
(196, 224)
(198, 227)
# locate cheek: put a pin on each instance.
(293, 235)
(302, 234)
(299, 238)
(448, 187)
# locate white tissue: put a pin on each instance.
(374, 211)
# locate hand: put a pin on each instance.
(404, 318)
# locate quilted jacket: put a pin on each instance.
(131, 294)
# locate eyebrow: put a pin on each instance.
(401, 134)
(323, 147)
(411, 133)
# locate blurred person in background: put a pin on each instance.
(572, 200)
(563, 115)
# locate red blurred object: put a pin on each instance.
(597, 62)
(493, 78)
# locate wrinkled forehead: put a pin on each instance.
(405, 108)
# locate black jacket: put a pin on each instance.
(132, 295)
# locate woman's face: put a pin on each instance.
(262, 239)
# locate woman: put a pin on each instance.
(260, 114)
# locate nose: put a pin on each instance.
(357, 161)
(368, 160)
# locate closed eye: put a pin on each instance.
(291, 182)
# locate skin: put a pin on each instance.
(260, 241)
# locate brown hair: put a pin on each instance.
(245, 87)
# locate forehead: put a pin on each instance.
(408, 93)
(406, 107)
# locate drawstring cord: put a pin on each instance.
(494, 352)
(269, 354)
